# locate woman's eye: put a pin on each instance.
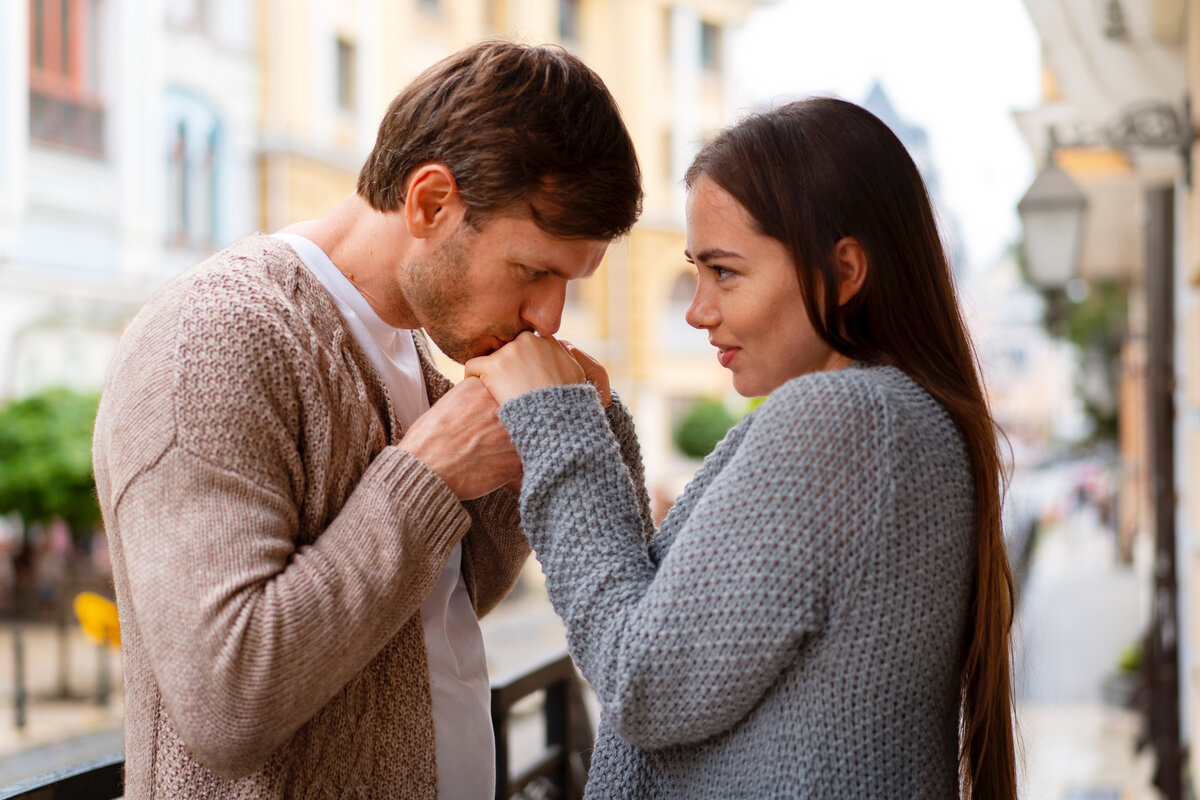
(720, 272)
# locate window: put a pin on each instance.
(193, 160)
(184, 14)
(568, 20)
(710, 46)
(347, 57)
(63, 105)
(429, 6)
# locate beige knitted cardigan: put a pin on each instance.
(271, 546)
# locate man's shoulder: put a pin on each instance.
(230, 314)
(255, 267)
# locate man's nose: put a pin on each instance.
(543, 311)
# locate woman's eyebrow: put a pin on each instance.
(710, 254)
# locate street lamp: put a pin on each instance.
(1052, 213)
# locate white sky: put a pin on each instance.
(957, 68)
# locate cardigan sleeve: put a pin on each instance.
(682, 651)
(248, 632)
(494, 549)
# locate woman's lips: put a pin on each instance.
(725, 355)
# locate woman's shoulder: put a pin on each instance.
(861, 403)
(851, 394)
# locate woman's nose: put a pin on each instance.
(701, 313)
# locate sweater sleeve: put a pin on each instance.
(248, 632)
(681, 652)
(494, 550)
(236, 619)
(620, 421)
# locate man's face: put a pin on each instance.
(480, 288)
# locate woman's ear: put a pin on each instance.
(852, 266)
(432, 202)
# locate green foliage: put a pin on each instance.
(705, 424)
(1097, 325)
(46, 459)
(1130, 660)
(1100, 318)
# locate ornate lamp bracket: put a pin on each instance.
(1151, 124)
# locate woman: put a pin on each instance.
(825, 611)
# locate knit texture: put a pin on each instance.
(795, 628)
(272, 546)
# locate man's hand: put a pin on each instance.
(593, 371)
(462, 439)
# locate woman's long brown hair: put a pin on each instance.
(811, 173)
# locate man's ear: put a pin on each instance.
(432, 203)
(851, 262)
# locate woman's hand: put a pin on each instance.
(526, 363)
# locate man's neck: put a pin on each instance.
(366, 246)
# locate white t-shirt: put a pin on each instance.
(458, 677)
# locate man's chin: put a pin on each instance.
(462, 352)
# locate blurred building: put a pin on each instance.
(1120, 83)
(1027, 375)
(140, 135)
(127, 142)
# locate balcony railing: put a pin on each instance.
(559, 771)
(66, 122)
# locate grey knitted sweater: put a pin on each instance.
(795, 628)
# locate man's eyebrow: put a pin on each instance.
(710, 254)
(546, 266)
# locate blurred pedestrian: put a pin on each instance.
(825, 611)
(305, 519)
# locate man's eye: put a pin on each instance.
(533, 273)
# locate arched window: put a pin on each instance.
(193, 162)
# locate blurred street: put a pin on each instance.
(58, 732)
(1079, 612)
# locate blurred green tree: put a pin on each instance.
(46, 460)
(702, 427)
(46, 474)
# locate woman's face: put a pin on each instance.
(748, 296)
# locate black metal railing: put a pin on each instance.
(99, 779)
(560, 769)
(558, 772)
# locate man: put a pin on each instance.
(305, 519)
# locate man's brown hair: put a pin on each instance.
(517, 126)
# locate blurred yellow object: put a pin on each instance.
(98, 618)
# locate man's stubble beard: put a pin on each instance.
(435, 288)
